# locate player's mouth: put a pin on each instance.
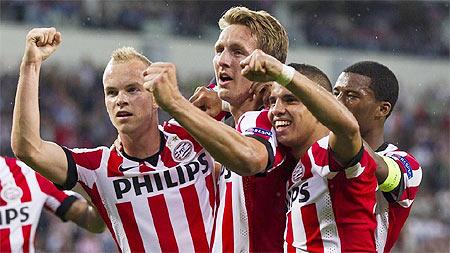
(224, 79)
(281, 125)
(123, 114)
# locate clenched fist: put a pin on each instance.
(160, 79)
(40, 44)
(261, 67)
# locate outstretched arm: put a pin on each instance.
(345, 139)
(86, 216)
(244, 155)
(45, 157)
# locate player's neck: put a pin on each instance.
(246, 106)
(374, 137)
(141, 145)
(299, 150)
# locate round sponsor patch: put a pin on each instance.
(297, 174)
(11, 193)
(183, 151)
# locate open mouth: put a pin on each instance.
(223, 77)
(281, 124)
(123, 114)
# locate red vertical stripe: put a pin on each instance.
(227, 223)
(314, 241)
(195, 219)
(126, 214)
(211, 192)
(49, 188)
(2, 201)
(307, 166)
(26, 231)
(163, 225)
(98, 202)
(19, 178)
(289, 234)
(5, 244)
(114, 162)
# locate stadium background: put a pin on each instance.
(412, 38)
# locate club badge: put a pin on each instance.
(297, 174)
(11, 193)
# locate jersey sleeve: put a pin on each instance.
(411, 178)
(82, 166)
(256, 124)
(57, 201)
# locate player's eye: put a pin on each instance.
(272, 101)
(132, 89)
(111, 93)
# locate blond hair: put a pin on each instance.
(125, 54)
(270, 34)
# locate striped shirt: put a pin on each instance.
(164, 203)
(250, 215)
(331, 208)
(392, 211)
(23, 194)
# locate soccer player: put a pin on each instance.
(332, 188)
(250, 213)
(23, 194)
(158, 194)
(370, 90)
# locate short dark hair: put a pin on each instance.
(313, 73)
(383, 83)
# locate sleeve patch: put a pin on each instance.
(406, 165)
(259, 131)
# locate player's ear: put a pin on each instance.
(383, 109)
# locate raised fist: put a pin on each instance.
(40, 44)
(261, 67)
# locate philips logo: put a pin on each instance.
(260, 131)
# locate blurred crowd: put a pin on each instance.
(398, 27)
(73, 115)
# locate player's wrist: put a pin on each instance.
(286, 75)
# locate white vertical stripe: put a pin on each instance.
(143, 216)
(104, 186)
(179, 222)
(240, 217)
(222, 188)
(328, 227)
(382, 214)
(298, 230)
(205, 207)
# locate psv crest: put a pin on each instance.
(11, 193)
(297, 174)
(183, 151)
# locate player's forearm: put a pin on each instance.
(324, 106)
(45, 157)
(85, 216)
(240, 154)
(345, 138)
(25, 137)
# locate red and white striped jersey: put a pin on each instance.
(392, 211)
(331, 208)
(164, 203)
(248, 217)
(23, 194)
